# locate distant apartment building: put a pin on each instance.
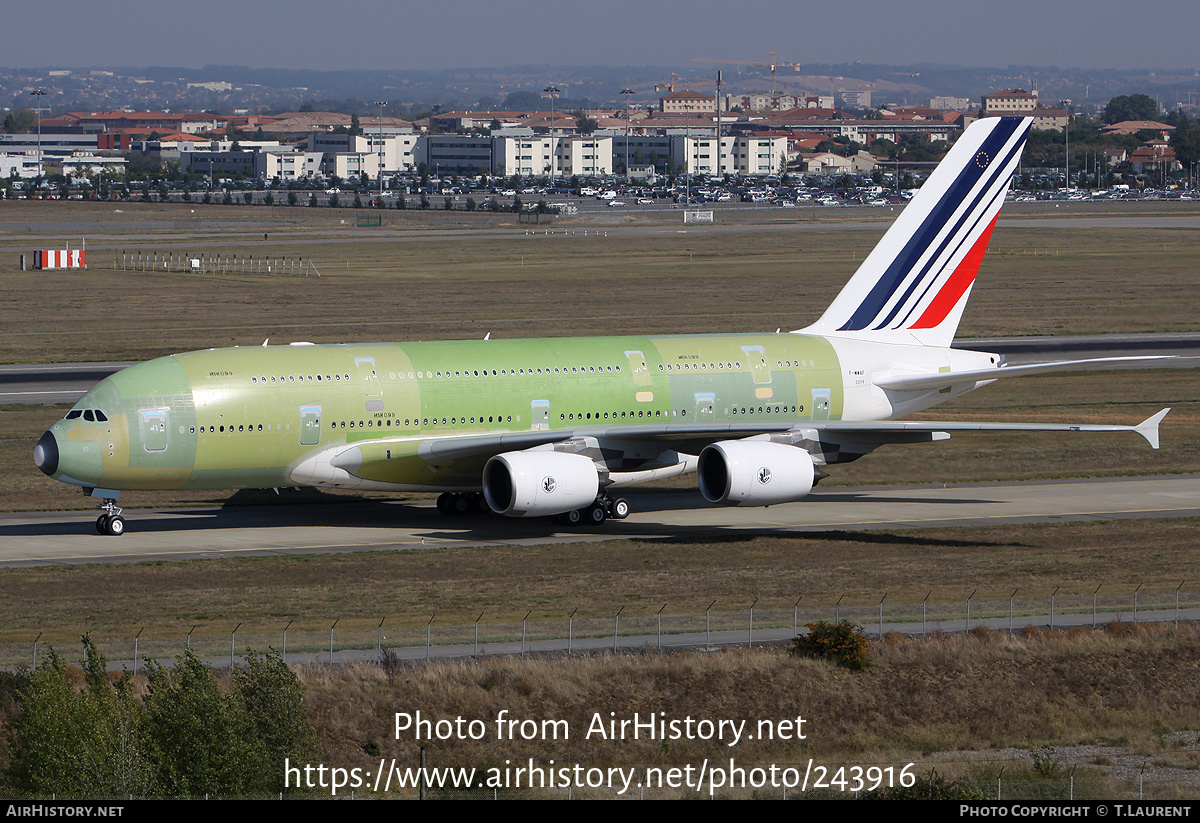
(739, 154)
(945, 103)
(523, 153)
(855, 98)
(1008, 101)
(584, 155)
(687, 100)
(767, 101)
(396, 151)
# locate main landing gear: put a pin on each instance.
(595, 514)
(460, 503)
(111, 522)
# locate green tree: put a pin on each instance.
(88, 742)
(585, 124)
(1185, 140)
(20, 121)
(1130, 107)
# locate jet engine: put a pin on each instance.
(539, 483)
(754, 473)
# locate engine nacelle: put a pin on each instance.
(754, 473)
(539, 483)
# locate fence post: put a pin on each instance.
(659, 615)
(750, 636)
(232, 641)
(881, 614)
(524, 620)
(285, 628)
(1011, 597)
(477, 619)
(1177, 588)
(379, 639)
(1135, 601)
(429, 634)
(331, 628)
(1056, 588)
(924, 611)
(969, 599)
(708, 627)
(135, 648)
(35, 642)
(617, 627)
(1096, 592)
(796, 616)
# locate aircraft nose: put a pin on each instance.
(45, 454)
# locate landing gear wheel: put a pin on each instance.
(573, 518)
(596, 514)
(619, 509)
(444, 503)
(102, 524)
(115, 526)
(461, 504)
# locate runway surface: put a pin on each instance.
(49, 538)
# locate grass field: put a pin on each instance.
(958, 705)
(166, 599)
(379, 286)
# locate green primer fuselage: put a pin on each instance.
(246, 417)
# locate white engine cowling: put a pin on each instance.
(539, 483)
(754, 473)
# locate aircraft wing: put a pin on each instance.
(365, 459)
(926, 382)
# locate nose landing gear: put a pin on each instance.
(111, 522)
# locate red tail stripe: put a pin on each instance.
(958, 283)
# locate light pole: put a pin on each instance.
(379, 137)
(626, 93)
(36, 93)
(552, 91)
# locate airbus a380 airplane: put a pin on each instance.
(553, 426)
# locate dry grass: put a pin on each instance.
(921, 697)
(380, 285)
(359, 589)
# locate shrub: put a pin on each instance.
(841, 643)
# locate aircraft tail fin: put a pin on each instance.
(914, 285)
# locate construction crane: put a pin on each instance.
(774, 64)
(912, 76)
(675, 80)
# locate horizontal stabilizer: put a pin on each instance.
(926, 382)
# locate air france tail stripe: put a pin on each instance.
(993, 192)
(934, 222)
(958, 283)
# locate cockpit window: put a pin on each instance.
(90, 415)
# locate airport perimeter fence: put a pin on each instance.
(410, 637)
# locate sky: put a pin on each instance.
(406, 34)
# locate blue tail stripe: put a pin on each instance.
(903, 263)
(973, 214)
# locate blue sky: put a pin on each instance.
(376, 34)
